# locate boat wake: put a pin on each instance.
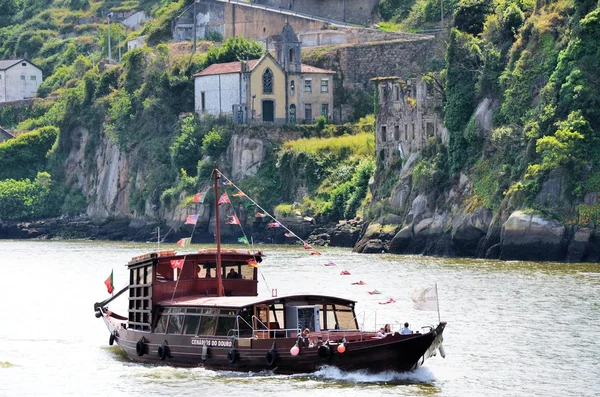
(421, 375)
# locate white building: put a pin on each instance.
(135, 20)
(136, 43)
(220, 87)
(19, 79)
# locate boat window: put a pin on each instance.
(148, 276)
(191, 324)
(224, 325)
(161, 324)
(345, 317)
(207, 325)
(247, 272)
(194, 310)
(331, 320)
(277, 315)
(227, 312)
(175, 321)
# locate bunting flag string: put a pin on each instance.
(234, 220)
(198, 198)
(262, 213)
(224, 199)
(191, 220)
(184, 241)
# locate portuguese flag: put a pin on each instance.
(109, 283)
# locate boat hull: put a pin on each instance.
(392, 353)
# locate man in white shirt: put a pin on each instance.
(406, 330)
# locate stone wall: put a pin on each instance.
(236, 19)
(404, 58)
(351, 11)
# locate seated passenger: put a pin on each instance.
(388, 329)
(381, 333)
(303, 338)
(406, 330)
(233, 274)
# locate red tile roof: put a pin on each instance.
(314, 69)
(226, 68)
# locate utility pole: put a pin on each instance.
(442, 15)
(194, 47)
(109, 55)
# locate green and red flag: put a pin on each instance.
(109, 283)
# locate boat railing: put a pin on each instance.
(365, 318)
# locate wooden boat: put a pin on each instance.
(209, 314)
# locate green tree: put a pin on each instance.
(215, 142)
(469, 15)
(234, 49)
(24, 156)
(187, 148)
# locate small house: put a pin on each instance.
(19, 79)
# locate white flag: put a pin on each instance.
(425, 298)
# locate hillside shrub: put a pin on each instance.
(24, 156)
(27, 200)
(215, 142)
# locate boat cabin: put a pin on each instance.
(161, 276)
(253, 317)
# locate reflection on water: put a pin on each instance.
(514, 328)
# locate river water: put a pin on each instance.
(514, 328)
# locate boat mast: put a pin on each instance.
(218, 231)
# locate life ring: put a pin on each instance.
(271, 357)
(111, 339)
(232, 356)
(163, 351)
(324, 351)
(140, 347)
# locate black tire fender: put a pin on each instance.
(232, 356)
(324, 351)
(271, 357)
(140, 347)
(111, 339)
(163, 351)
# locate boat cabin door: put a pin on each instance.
(300, 317)
(260, 321)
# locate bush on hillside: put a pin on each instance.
(469, 15)
(24, 156)
(27, 200)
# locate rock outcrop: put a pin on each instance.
(531, 237)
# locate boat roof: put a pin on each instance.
(258, 255)
(239, 302)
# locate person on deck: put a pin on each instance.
(381, 333)
(388, 329)
(233, 274)
(406, 330)
(304, 337)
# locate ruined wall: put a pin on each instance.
(409, 114)
(352, 11)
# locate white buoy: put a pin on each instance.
(442, 351)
